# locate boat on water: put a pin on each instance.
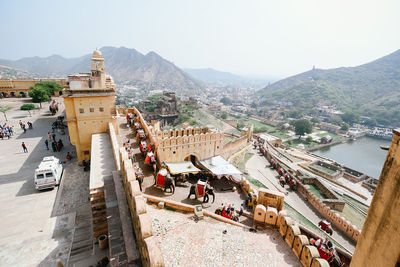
(384, 147)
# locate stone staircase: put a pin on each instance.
(82, 246)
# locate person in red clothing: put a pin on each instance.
(24, 147)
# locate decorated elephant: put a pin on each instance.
(144, 147)
(327, 251)
(282, 181)
(150, 160)
(326, 226)
(202, 189)
(164, 180)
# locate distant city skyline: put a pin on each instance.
(250, 38)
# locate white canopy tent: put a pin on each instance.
(182, 167)
(220, 167)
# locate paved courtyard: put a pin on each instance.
(222, 187)
(185, 242)
(37, 226)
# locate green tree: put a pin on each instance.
(253, 105)
(315, 120)
(4, 109)
(295, 114)
(39, 95)
(350, 117)
(345, 127)
(50, 87)
(302, 127)
(226, 101)
(336, 120)
(224, 115)
(308, 139)
(28, 107)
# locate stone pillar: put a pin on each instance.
(379, 243)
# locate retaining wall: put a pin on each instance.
(336, 219)
(326, 211)
(149, 249)
(234, 145)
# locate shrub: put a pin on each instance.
(27, 107)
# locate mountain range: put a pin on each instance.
(371, 90)
(212, 75)
(149, 71)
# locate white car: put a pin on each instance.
(48, 173)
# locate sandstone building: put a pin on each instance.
(89, 105)
(21, 87)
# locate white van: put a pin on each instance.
(48, 173)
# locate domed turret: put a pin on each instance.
(97, 55)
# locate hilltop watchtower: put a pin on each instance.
(89, 105)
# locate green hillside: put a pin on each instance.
(372, 89)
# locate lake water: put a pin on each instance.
(364, 154)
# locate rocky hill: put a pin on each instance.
(372, 89)
(149, 71)
(9, 72)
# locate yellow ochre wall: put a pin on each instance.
(379, 243)
(23, 85)
(81, 126)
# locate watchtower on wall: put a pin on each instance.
(89, 105)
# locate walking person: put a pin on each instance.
(49, 136)
(54, 146)
(47, 144)
(24, 127)
(24, 147)
(53, 135)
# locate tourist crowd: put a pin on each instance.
(6, 131)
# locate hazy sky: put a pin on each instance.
(277, 37)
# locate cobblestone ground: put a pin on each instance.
(185, 242)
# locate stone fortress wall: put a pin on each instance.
(270, 213)
(234, 145)
(332, 200)
(325, 210)
(149, 249)
(179, 144)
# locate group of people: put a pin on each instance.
(229, 211)
(286, 178)
(23, 126)
(55, 145)
(6, 131)
(327, 250)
